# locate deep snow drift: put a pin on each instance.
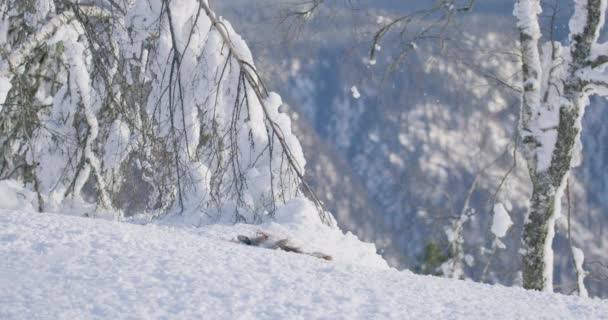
(62, 267)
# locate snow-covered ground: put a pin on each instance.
(64, 267)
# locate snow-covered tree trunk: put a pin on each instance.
(557, 81)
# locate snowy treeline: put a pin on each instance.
(140, 106)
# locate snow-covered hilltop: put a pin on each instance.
(62, 267)
(153, 114)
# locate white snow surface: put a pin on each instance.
(65, 267)
(579, 259)
(501, 222)
(527, 13)
(5, 87)
(355, 92)
(14, 197)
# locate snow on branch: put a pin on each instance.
(145, 107)
(255, 82)
(585, 25)
(557, 80)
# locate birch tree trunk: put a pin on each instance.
(557, 83)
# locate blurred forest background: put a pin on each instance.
(431, 137)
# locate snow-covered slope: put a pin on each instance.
(62, 267)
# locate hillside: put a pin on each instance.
(200, 126)
(62, 267)
(412, 146)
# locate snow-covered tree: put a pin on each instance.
(558, 80)
(141, 107)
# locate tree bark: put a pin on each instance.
(564, 93)
(545, 203)
(537, 233)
